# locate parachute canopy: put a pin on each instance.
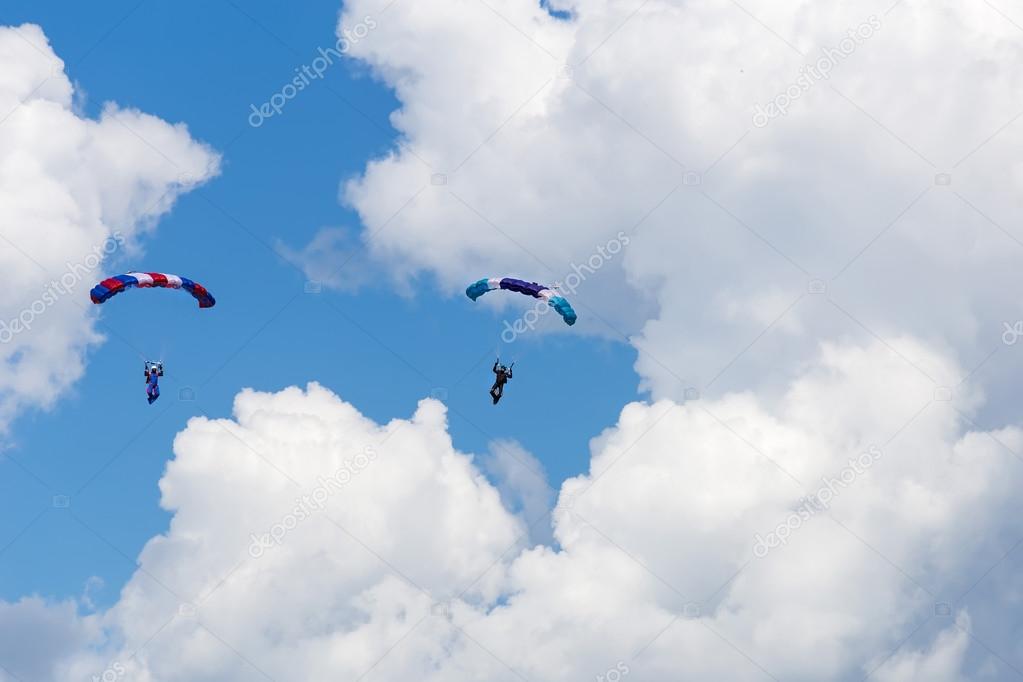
(556, 300)
(103, 291)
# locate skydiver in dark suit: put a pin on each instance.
(503, 374)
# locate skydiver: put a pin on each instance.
(503, 374)
(152, 383)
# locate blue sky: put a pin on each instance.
(203, 64)
(830, 262)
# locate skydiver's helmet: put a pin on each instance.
(502, 369)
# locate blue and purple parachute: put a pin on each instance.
(112, 286)
(556, 300)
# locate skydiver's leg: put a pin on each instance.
(496, 392)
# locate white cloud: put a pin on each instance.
(36, 636)
(73, 191)
(942, 662)
(541, 168)
(522, 481)
(330, 259)
(415, 569)
(412, 568)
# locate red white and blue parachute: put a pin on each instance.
(112, 286)
(556, 300)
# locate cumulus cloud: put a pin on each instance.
(309, 542)
(37, 636)
(832, 280)
(73, 192)
(331, 259)
(877, 204)
(522, 481)
(942, 661)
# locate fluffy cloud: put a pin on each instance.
(522, 482)
(36, 635)
(73, 192)
(309, 542)
(940, 662)
(331, 259)
(825, 511)
(890, 177)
